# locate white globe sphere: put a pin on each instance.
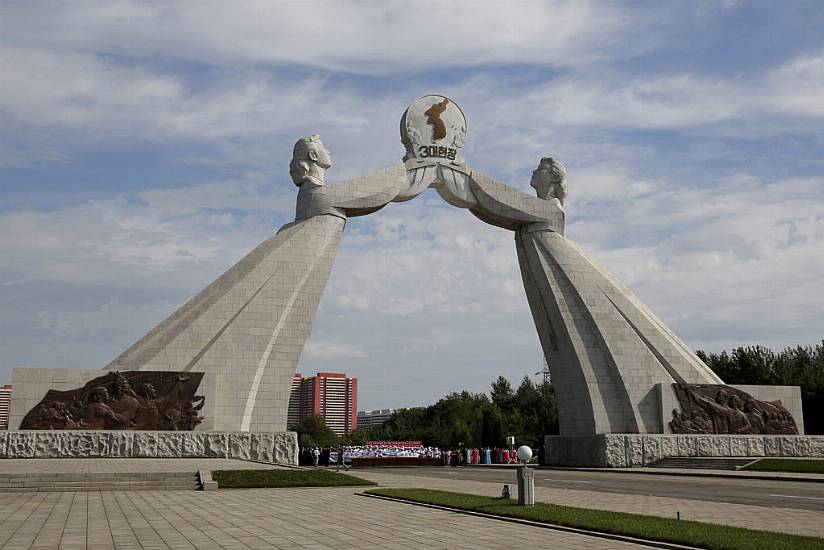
(524, 453)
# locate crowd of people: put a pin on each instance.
(475, 455)
(342, 456)
(316, 456)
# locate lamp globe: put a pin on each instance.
(524, 453)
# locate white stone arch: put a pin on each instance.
(608, 352)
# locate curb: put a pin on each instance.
(666, 472)
(696, 473)
(556, 527)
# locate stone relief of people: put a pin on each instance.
(99, 415)
(109, 402)
(148, 413)
(725, 410)
(124, 399)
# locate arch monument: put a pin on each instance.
(629, 391)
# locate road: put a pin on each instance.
(755, 492)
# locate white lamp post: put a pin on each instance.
(526, 478)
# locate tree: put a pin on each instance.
(476, 420)
(362, 435)
(502, 396)
(492, 428)
(313, 432)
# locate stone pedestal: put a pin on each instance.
(635, 450)
(526, 486)
(275, 448)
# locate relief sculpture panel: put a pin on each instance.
(720, 409)
(130, 400)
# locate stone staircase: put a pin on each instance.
(694, 463)
(143, 481)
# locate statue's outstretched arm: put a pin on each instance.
(365, 194)
(353, 197)
(504, 206)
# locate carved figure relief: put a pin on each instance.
(719, 409)
(434, 128)
(460, 136)
(163, 401)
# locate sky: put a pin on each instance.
(144, 149)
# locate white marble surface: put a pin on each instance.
(271, 447)
(633, 450)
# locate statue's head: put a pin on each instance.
(122, 386)
(310, 159)
(549, 180)
(721, 397)
(148, 391)
(99, 395)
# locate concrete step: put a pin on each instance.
(98, 476)
(86, 489)
(99, 482)
(696, 463)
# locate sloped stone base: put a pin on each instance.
(635, 450)
(278, 448)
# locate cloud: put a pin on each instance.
(672, 100)
(736, 262)
(699, 187)
(332, 350)
(171, 234)
(57, 103)
(363, 37)
(797, 87)
(425, 259)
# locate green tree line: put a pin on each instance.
(530, 412)
(474, 419)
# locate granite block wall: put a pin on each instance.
(276, 448)
(635, 450)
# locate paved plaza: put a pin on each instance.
(257, 518)
(769, 518)
(318, 518)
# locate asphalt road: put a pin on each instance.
(755, 492)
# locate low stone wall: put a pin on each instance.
(280, 448)
(632, 450)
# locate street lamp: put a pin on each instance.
(526, 477)
(524, 454)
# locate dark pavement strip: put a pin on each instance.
(784, 494)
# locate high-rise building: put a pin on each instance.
(293, 416)
(374, 418)
(329, 394)
(5, 406)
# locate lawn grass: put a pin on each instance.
(248, 479)
(803, 466)
(704, 535)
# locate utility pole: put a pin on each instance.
(545, 372)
